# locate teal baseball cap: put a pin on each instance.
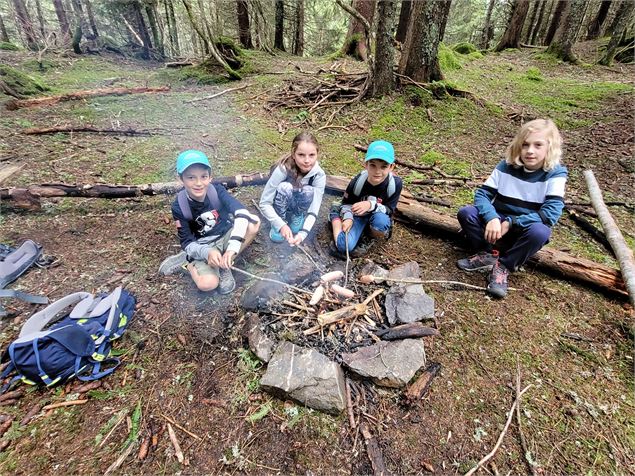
(191, 157)
(382, 150)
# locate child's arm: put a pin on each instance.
(390, 205)
(349, 199)
(485, 195)
(194, 250)
(311, 216)
(268, 194)
(242, 218)
(551, 209)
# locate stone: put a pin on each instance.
(306, 376)
(373, 269)
(262, 293)
(298, 268)
(408, 303)
(389, 364)
(408, 270)
(259, 343)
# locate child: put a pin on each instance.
(213, 227)
(369, 201)
(292, 197)
(515, 209)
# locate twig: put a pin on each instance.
(491, 454)
(349, 405)
(177, 448)
(122, 417)
(193, 435)
(64, 404)
(348, 259)
(121, 459)
(216, 95)
(308, 255)
(379, 279)
(247, 273)
(527, 454)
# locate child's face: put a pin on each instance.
(305, 156)
(534, 150)
(196, 179)
(378, 170)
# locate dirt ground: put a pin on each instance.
(184, 359)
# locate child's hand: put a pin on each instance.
(361, 208)
(296, 240)
(347, 225)
(214, 258)
(228, 259)
(286, 232)
(493, 231)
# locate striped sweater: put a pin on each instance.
(524, 196)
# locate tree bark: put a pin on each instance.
(562, 44)
(383, 78)
(419, 388)
(404, 17)
(623, 253)
(419, 58)
(244, 30)
(172, 29)
(154, 28)
(624, 15)
(555, 22)
(298, 40)
(24, 21)
(355, 43)
(488, 30)
(532, 21)
(511, 37)
(91, 19)
(595, 27)
(78, 9)
(279, 37)
(536, 27)
(4, 36)
(62, 19)
(40, 18)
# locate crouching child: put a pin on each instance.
(213, 227)
(369, 201)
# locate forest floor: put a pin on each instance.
(184, 356)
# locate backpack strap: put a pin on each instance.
(392, 187)
(39, 320)
(111, 301)
(360, 182)
(18, 261)
(311, 179)
(184, 201)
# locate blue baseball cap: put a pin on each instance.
(382, 150)
(191, 157)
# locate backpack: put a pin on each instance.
(184, 201)
(363, 177)
(78, 344)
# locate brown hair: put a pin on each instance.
(287, 161)
(554, 150)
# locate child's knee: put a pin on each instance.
(380, 224)
(468, 213)
(207, 282)
(539, 233)
(342, 243)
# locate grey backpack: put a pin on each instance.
(14, 263)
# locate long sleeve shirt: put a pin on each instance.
(376, 194)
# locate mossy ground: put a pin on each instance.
(579, 414)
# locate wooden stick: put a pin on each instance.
(119, 461)
(177, 448)
(193, 435)
(35, 131)
(623, 253)
(379, 279)
(374, 452)
(217, 94)
(64, 404)
(349, 405)
(491, 454)
(122, 417)
(259, 278)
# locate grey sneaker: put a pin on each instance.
(173, 264)
(226, 281)
(482, 261)
(497, 286)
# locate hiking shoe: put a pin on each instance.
(334, 252)
(275, 236)
(174, 264)
(362, 248)
(226, 282)
(295, 223)
(497, 279)
(482, 261)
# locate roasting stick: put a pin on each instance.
(260, 278)
(348, 259)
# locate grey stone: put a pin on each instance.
(408, 303)
(297, 268)
(390, 364)
(259, 343)
(305, 376)
(262, 293)
(408, 270)
(374, 270)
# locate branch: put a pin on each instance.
(358, 16)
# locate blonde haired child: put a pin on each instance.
(293, 194)
(516, 207)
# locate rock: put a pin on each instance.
(408, 303)
(261, 345)
(262, 293)
(306, 376)
(373, 269)
(390, 364)
(297, 268)
(408, 270)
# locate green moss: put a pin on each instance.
(448, 60)
(534, 74)
(547, 58)
(465, 48)
(39, 66)
(7, 46)
(203, 75)
(448, 165)
(22, 83)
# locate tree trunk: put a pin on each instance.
(62, 19)
(81, 23)
(298, 40)
(532, 21)
(555, 22)
(91, 19)
(595, 27)
(137, 16)
(24, 21)
(624, 15)
(536, 27)
(419, 58)
(355, 42)
(383, 78)
(279, 38)
(404, 17)
(244, 30)
(40, 18)
(154, 28)
(544, 26)
(488, 30)
(172, 29)
(4, 36)
(562, 44)
(511, 37)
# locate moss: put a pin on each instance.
(465, 48)
(8, 46)
(547, 58)
(448, 165)
(22, 83)
(448, 60)
(203, 74)
(40, 66)
(534, 74)
(474, 55)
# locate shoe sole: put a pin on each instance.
(487, 268)
(172, 265)
(496, 293)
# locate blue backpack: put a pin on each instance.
(77, 344)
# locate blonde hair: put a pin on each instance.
(554, 140)
(287, 161)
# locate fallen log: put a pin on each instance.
(411, 330)
(587, 226)
(374, 452)
(623, 253)
(14, 104)
(417, 390)
(37, 131)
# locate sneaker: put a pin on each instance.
(333, 251)
(226, 281)
(275, 236)
(482, 261)
(497, 279)
(295, 223)
(174, 264)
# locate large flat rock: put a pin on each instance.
(408, 303)
(259, 343)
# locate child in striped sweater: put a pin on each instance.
(516, 207)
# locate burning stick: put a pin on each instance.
(246, 273)
(347, 312)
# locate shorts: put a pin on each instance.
(220, 244)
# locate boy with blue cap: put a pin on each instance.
(369, 201)
(213, 227)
